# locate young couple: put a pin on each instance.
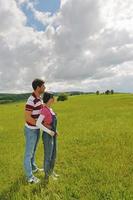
(38, 116)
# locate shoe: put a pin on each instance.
(37, 170)
(33, 179)
(40, 169)
(54, 178)
(55, 175)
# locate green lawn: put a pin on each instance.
(95, 151)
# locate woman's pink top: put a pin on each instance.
(47, 115)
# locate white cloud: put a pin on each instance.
(85, 46)
(11, 17)
(20, 2)
(118, 14)
(63, 2)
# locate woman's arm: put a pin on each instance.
(41, 126)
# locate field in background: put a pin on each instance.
(95, 151)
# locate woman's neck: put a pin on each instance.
(47, 105)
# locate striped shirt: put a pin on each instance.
(34, 104)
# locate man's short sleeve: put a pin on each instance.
(29, 105)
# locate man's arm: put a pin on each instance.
(46, 125)
(29, 118)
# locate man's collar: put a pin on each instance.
(34, 95)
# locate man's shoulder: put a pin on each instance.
(30, 99)
(34, 101)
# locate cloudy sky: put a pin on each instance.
(84, 45)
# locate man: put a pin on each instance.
(32, 132)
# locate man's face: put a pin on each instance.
(42, 89)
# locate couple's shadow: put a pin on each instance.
(9, 193)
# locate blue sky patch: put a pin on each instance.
(51, 6)
(48, 5)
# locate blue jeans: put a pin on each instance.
(50, 148)
(32, 138)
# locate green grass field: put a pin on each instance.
(95, 151)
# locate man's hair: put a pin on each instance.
(47, 96)
(37, 83)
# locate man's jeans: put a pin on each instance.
(32, 138)
(50, 152)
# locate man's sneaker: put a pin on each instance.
(55, 175)
(33, 179)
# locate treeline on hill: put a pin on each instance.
(106, 92)
(9, 98)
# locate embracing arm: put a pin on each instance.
(44, 128)
(29, 118)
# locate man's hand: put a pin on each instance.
(29, 118)
(52, 133)
(57, 133)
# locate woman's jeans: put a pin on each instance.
(32, 138)
(50, 153)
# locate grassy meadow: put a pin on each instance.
(95, 151)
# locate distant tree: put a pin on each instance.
(97, 92)
(107, 92)
(62, 97)
(112, 91)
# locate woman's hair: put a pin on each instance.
(47, 96)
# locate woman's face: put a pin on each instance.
(51, 101)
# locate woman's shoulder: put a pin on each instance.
(44, 110)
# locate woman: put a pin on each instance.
(47, 121)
